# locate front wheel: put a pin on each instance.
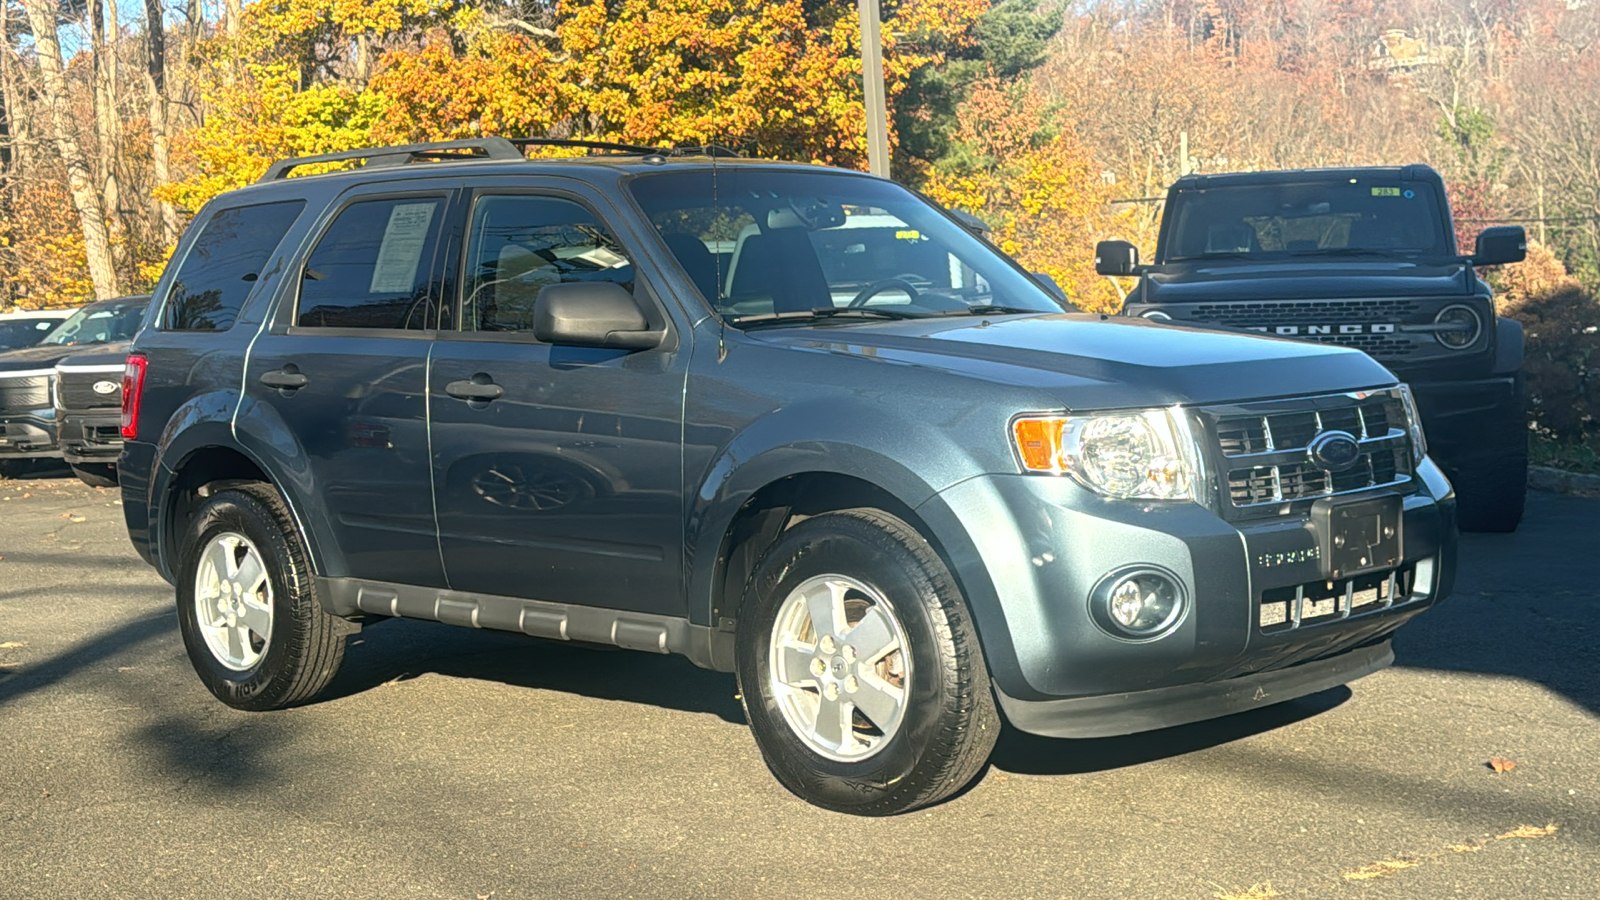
(1492, 488)
(860, 669)
(248, 609)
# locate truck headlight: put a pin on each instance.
(1419, 441)
(1145, 454)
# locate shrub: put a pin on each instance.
(1562, 321)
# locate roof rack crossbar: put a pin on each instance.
(485, 148)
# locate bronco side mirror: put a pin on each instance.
(1116, 258)
(1500, 244)
(592, 314)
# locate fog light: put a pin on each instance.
(1141, 603)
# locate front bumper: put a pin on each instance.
(90, 436)
(1459, 417)
(1031, 550)
(28, 435)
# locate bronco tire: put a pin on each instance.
(859, 668)
(248, 609)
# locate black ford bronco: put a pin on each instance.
(1364, 258)
(787, 421)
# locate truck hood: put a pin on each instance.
(1091, 361)
(1302, 279)
(30, 359)
(112, 354)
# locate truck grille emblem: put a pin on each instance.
(105, 387)
(1311, 330)
(1335, 451)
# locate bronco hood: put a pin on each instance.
(1304, 278)
(1100, 362)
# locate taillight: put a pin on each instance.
(132, 391)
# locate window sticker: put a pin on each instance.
(401, 251)
(1385, 192)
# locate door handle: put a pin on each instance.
(287, 378)
(478, 387)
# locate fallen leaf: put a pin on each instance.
(1529, 831)
(1500, 765)
(76, 519)
(12, 645)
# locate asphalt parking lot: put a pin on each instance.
(452, 763)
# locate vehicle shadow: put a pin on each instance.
(401, 649)
(1021, 753)
(1525, 604)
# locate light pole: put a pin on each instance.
(872, 85)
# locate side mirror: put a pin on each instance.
(1500, 244)
(591, 314)
(971, 222)
(1116, 258)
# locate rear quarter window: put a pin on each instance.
(222, 265)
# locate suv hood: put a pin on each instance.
(1099, 362)
(1305, 278)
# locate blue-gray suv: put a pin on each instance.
(790, 422)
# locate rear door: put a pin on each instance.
(557, 470)
(343, 368)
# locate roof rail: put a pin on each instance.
(695, 150)
(477, 148)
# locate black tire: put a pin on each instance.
(1492, 488)
(96, 474)
(949, 722)
(306, 644)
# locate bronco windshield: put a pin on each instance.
(769, 246)
(1347, 217)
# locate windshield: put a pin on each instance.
(99, 325)
(763, 245)
(1345, 217)
(17, 333)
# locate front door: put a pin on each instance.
(345, 371)
(556, 469)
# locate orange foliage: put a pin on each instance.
(41, 248)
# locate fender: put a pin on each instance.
(203, 422)
(859, 443)
(1509, 342)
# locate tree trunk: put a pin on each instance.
(107, 124)
(80, 177)
(231, 11)
(156, 82)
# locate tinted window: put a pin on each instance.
(223, 264)
(18, 333)
(373, 267)
(96, 324)
(519, 244)
(1348, 217)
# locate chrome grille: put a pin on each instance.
(1266, 456)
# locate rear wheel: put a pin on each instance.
(1492, 488)
(860, 670)
(248, 609)
(96, 474)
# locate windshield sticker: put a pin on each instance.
(401, 252)
(1387, 192)
(907, 235)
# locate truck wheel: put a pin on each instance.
(859, 668)
(252, 624)
(96, 474)
(1492, 488)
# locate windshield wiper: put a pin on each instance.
(991, 309)
(823, 312)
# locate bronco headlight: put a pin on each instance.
(1146, 454)
(1419, 441)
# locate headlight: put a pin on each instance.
(1460, 327)
(1147, 454)
(1419, 441)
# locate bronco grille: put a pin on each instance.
(1348, 323)
(1268, 455)
(24, 393)
(77, 389)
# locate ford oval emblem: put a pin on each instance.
(1335, 451)
(106, 387)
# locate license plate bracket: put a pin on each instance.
(1358, 536)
